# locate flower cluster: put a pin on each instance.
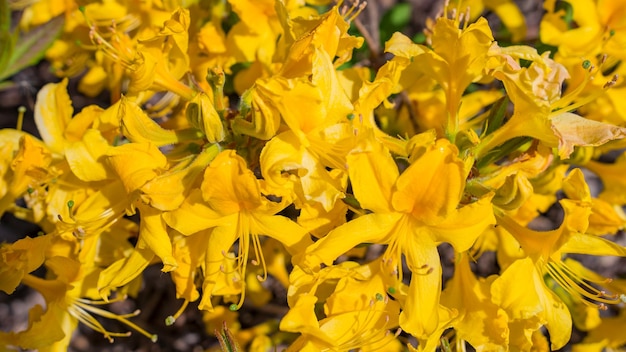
(251, 146)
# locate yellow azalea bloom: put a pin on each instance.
(163, 59)
(387, 82)
(297, 159)
(544, 251)
(227, 208)
(599, 28)
(303, 37)
(480, 322)
(605, 218)
(29, 170)
(156, 59)
(21, 258)
(151, 188)
(27, 166)
(522, 294)
(412, 218)
(539, 110)
(63, 291)
(81, 138)
(458, 58)
(357, 314)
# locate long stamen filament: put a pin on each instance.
(121, 318)
(578, 287)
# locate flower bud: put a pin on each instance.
(513, 193)
(202, 114)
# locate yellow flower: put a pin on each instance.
(152, 188)
(229, 207)
(544, 252)
(303, 37)
(458, 58)
(63, 291)
(480, 322)
(19, 259)
(26, 168)
(412, 218)
(357, 313)
(296, 160)
(599, 28)
(539, 109)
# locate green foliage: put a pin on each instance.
(20, 50)
(394, 20)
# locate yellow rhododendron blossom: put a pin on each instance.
(480, 322)
(540, 111)
(458, 58)
(358, 314)
(544, 251)
(252, 147)
(29, 169)
(230, 204)
(412, 218)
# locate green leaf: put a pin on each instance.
(496, 116)
(5, 16)
(7, 43)
(394, 20)
(30, 48)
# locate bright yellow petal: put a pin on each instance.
(442, 178)
(420, 313)
(229, 186)
(293, 236)
(373, 173)
(517, 290)
(125, 270)
(371, 228)
(195, 215)
(53, 112)
(167, 191)
(574, 130)
(153, 232)
(136, 163)
(86, 157)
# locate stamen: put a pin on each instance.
(364, 333)
(566, 103)
(579, 287)
(83, 309)
(611, 83)
(170, 320)
(350, 13)
(258, 253)
(20, 117)
(467, 18)
(70, 205)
